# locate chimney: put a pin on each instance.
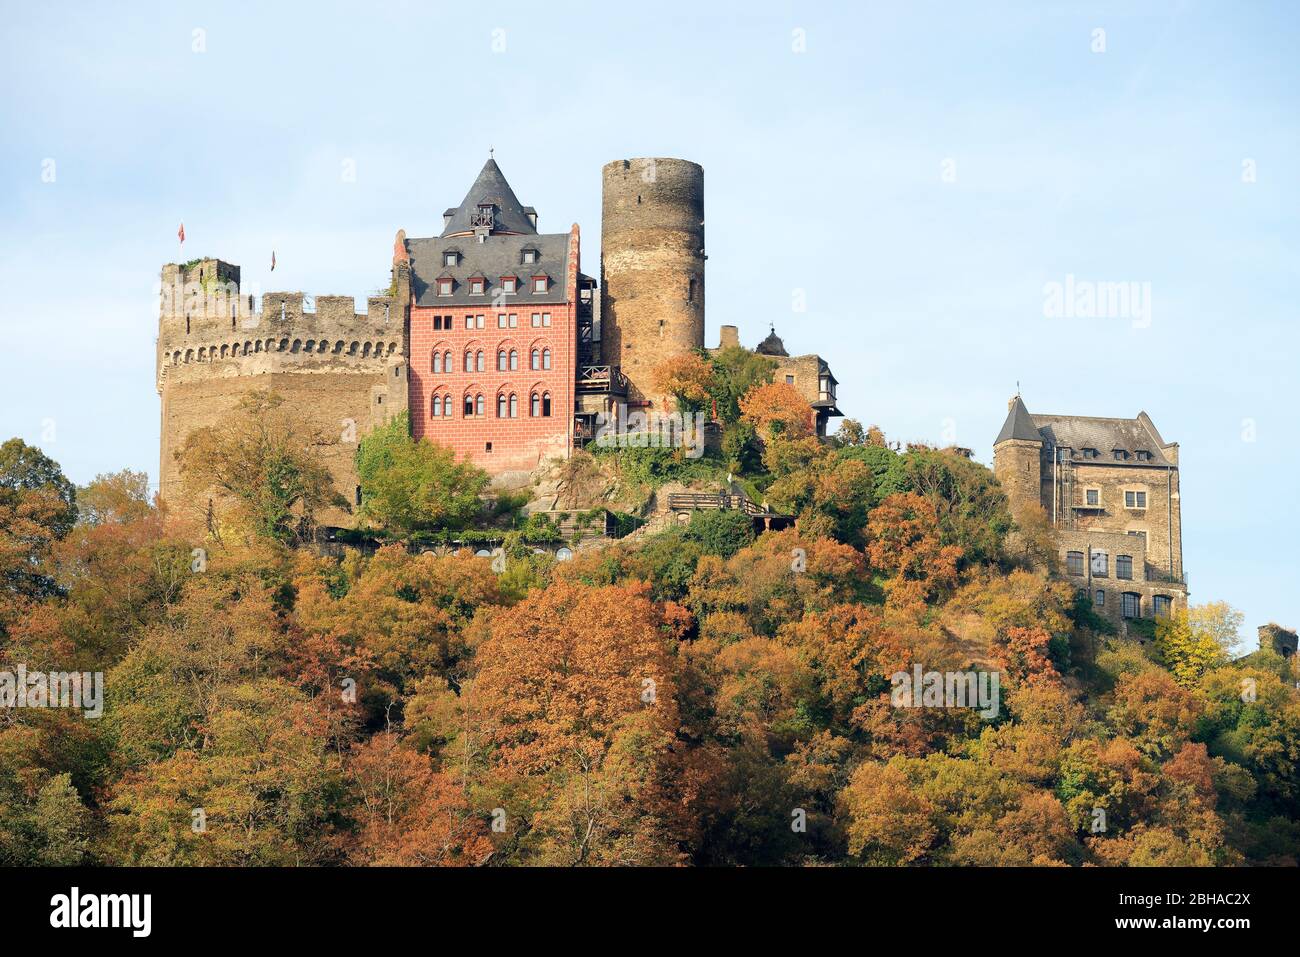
(728, 336)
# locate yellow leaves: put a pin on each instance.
(686, 376)
(777, 408)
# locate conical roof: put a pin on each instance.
(508, 215)
(1018, 425)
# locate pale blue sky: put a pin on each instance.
(823, 171)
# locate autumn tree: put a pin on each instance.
(409, 814)
(37, 508)
(1191, 641)
(777, 409)
(688, 378)
(579, 684)
(903, 544)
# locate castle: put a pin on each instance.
(1110, 490)
(500, 347)
(490, 334)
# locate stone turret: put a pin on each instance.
(652, 266)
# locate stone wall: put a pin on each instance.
(342, 372)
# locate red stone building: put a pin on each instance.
(494, 329)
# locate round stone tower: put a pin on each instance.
(651, 267)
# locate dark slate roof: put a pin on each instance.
(493, 258)
(772, 346)
(1019, 424)
(491, 187)
(1077, 432)
(1105, 435)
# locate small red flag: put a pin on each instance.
(181, 233)
(272, 260)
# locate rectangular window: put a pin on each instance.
(1100, 563)
(789, 380)
(514, 321)
(1124, 566)
(478, 322)
(449, 259)
(537, 319)
(1074, 563)
(508, 284)
(1161, 605)
(501, 320)
(546, 318)
(539, 284)
(444, 287)
(1093, 496)
(1133, 499)
(469, 322)
(476, 287)
(1132, 605)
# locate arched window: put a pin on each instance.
(437, 362)
(546, 405)
(469, 361)
(535, 405)
(479, 406)
(1131, 606)
(546, 358)
(478, 360)
(501, 406)
(514, 360)
(469, 406)
(501, 361)
(514, 406)
(537, 359)
(446, 357)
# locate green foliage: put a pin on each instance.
(264, 462)
(25, 468)
(736, 370)
(721, 533)
(742, 449)
(410, 485)
(972, 508)
(650, 468)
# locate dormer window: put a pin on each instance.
(1143, 455)
(444, 287)
(450, 258)
(1090, 453)
(477, 286)
(509, 285)
(529, 257)
(541, 284)
(1120, 455)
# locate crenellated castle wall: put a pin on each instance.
(341, 371)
